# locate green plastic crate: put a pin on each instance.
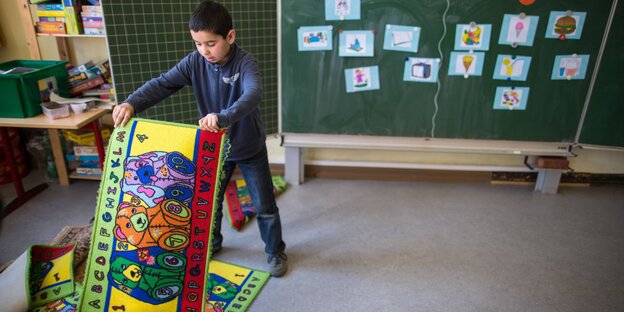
(22, 93)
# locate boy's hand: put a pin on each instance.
(210, 123)
(122, 114)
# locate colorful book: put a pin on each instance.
(51, 27)
(50, 13)
(50, 7)
(79, 69)
(86, 85)
(51, 19)
(83, 150)
(72, 157)
(73, 20)
(92, 23)
(94, 31)
(86, 171)
(95, 9)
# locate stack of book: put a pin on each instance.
(51, 18)
(59, 18)
(85, 160)
(93, 20)
(87, 76)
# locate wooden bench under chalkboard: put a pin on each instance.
(534, 161)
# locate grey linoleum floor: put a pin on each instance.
(407, 246)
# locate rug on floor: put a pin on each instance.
(240, 208)
(67, 304)
(153, 221)
(42, 274)
(232, 287)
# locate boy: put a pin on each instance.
(227, 89)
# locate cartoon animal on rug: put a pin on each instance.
(61, 305)
(166, 225)
(222, 291)
(155, 176)
(161, 283)
(213, 308)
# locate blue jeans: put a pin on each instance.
(257, 176)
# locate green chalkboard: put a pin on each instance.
(314, 97)
(604, 120)
(147, 38)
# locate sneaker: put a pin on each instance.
(278, 264)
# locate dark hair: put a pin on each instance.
(211, 16)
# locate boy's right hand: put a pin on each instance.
(122, 114)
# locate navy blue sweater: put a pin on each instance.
(232, 91)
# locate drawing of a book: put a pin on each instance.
(402, 38)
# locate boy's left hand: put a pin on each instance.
(209, 123)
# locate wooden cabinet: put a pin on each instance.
(76, 49)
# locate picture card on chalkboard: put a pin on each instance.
(466, 64)
(473, 36)
(512, 67)
(314, 38)
(570, 67)
(418, 69)
(362, 79)
(518, 30)
(511, 98)
(342, 10)
(401, 38)
(565, 25)
(357, 43)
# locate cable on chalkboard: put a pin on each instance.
(435, 98)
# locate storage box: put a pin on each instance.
(55, 110)
(23, 92)
(85, 137)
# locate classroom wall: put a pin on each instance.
(591, 161)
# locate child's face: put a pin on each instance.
(213, 47)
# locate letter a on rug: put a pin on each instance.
(153, 221)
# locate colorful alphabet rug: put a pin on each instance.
(67, 304)
(239, 205)
(153, 222)
(42, 274)
(231, 287)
